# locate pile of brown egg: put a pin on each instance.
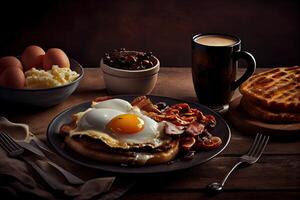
(12, 69)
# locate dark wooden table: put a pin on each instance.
(275, 176)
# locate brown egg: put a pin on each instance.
(8, 62)
(32, 57)
(55, 56)
(12, 77)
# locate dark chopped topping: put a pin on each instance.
(129, 60)
(161, 105)
(188, 156)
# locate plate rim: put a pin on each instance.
(125, 170)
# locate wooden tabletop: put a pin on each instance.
(275, 176)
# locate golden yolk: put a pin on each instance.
(126, 124)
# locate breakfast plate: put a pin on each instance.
(56, 141)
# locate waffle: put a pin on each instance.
(261, 113)
(275, 90)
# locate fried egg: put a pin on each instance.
(119, 125)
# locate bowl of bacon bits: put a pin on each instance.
(129, 72)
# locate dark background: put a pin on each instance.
(86, 29)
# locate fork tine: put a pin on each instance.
(263, 147)
(9, 145)
(3, 144)
(9, 142)
(259, 146)
(254, 144)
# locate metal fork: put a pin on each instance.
(254, 153)
(13, 149)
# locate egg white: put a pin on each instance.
(93, 121)
(97, 119)
(116, 104)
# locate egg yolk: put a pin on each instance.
(126, 124)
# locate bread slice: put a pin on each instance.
(277, 90)
(89, 150)
(263, 114)
(97, 150)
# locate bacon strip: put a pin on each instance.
(104, 98)
(172, 129)
(195, 128)
(189, 123)
(145, 104)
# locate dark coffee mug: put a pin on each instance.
(214, 67)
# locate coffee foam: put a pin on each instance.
(216, 40)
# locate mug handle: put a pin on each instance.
(250, 67)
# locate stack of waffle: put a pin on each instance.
(273, 96)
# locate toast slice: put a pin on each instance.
(91, 150)
(263, 114)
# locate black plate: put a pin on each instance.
(222, 130)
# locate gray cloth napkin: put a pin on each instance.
(19, 181)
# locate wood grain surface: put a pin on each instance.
(275, 176)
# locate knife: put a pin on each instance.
(71, 178)
(39, 143)
(32, 149)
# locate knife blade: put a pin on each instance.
(68, 175)
(39, 143)
(32, 149)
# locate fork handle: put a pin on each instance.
(228, 174)
(218, 186)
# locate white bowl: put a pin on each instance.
(44, 97)
(120, 81)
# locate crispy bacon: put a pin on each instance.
(187, 142)
(181, 115)
(211, 120)
(195, 128)
(211, 143)
(104, 98)
(200, 116)
(181, 119)
(172, 129)
(155, 116)
(181, 107)
(66, 128)
(145, 104)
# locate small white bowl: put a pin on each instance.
(120, 81)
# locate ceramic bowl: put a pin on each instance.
(42, 97)
(139, 82)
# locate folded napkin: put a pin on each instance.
(19, 181)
